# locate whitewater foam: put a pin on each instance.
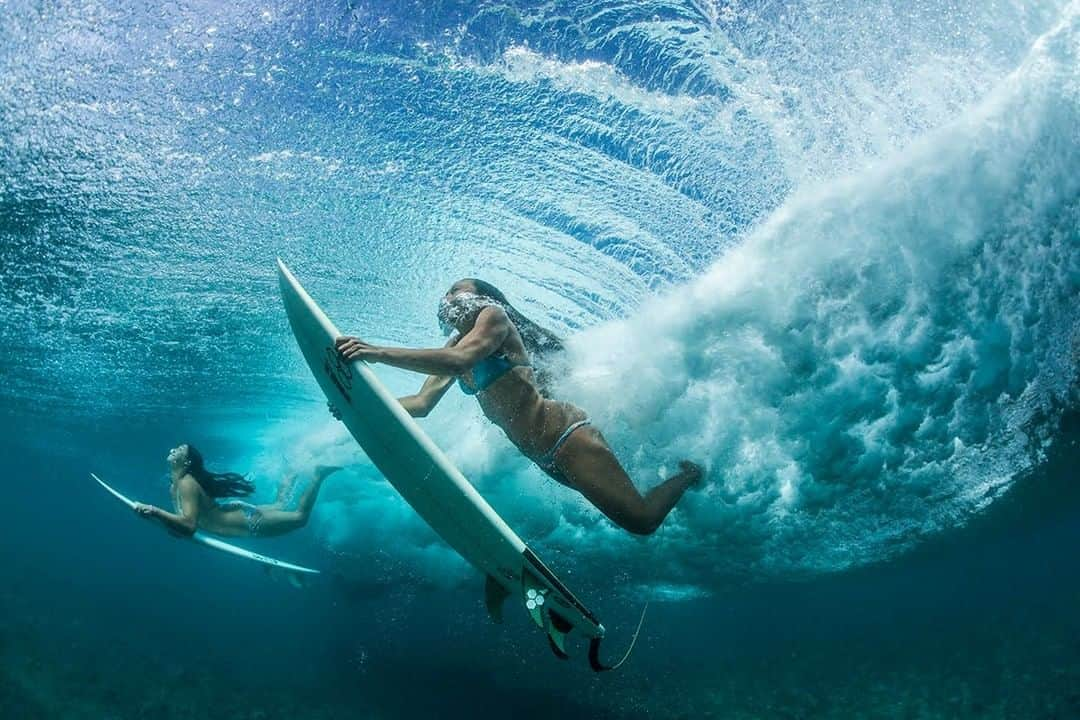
(862, 370)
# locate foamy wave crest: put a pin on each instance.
(867, 367)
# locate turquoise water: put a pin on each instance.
(830, 250)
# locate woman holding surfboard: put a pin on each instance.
(490, 355)
(210, 501)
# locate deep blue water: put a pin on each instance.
(828, 249)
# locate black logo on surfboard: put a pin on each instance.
(339, 371)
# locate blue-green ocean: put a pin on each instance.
(829, 249)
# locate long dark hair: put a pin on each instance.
(540, 342)
(216, 485)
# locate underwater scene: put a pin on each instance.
(758, 317)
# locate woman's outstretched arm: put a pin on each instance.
(489, 332)
(430, 393)
(427, 397)
(183, 523)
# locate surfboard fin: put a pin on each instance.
(594, 648)
(494, 597)
(557, 629)
(535, 598)
(553, 625)
(297, 580)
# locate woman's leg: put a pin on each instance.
(285, 492)
(275, 521)
(590, 467)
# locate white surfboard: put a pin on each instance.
(292, 572)
(431, 484)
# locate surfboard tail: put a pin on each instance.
(536, 577)
(541, 603)
(555, 610)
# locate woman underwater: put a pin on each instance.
(490, 353)
(195, 493)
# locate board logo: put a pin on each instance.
(339, 371)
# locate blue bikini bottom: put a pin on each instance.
(252, 513)
(547, 460)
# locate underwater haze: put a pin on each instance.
(830, 250)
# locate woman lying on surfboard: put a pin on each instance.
(489, 353)
(196, 493)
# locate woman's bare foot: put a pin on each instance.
(693, 472)
(307, 500)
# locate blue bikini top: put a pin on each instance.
(487, 371)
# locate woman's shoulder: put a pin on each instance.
(494, 313)
(189, 483)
